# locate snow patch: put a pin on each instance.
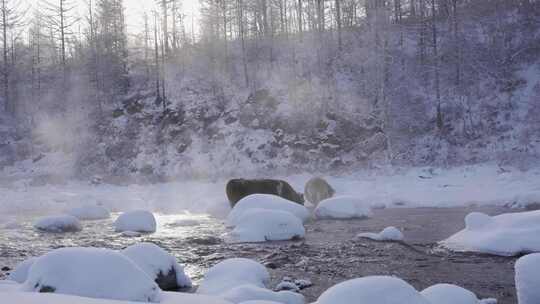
(506, 234)
(374, 289)
(231, 273)
(343, 207)
(249, 292)
(93, 273)
(265, 201)
(449, 294)
(20, 273)
(528, 279)
(158, 264)
(46, 298)
(261, 225)
(387, 234)
(138, 220)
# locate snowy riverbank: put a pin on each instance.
(417, 187)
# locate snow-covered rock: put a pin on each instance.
(375, 289)
(528, 279)
(89, 213)
(260, 225)
(138, 220)
(58, 223)
(231, 273)
(47, 298)
(506, 234)
(20, 273)
(266, 201)
(449, 294)
(93, 273)
(159, 265)
(343, 207)
(287, 285)
(387, 234)
(250, 292)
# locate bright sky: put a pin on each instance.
(136, 8)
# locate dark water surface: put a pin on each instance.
(330, 253)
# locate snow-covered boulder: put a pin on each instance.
(266, 201)
(375, 289)
(47, 298)
(528, 279)
(506, 234)
(159, 265)
(260, 225)
(58, 223)
(249, 292)
(93, 273)
(387, 234)
(231, 273)
(89, 213)
(20, 273)
(449, 294)
(138, 220)
(343, 207)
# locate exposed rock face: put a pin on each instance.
(239, 188)
(318, 189)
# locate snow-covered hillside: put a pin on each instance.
(309, 107)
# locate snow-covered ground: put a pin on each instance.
(417, 187)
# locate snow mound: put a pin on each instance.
(93, 273)
(249, 292)
(388, 234)
(265, 201)
(374, 289)
(20, 273)
(260, 225)
(231, 273)
(159, 265)
(528, 279)
(138, 220)
(343, 207)
(477, 220)
(506, 234)
(449, 294)
(58, 223)
(89, 213)
(46, 298)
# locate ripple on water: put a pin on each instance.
(180, 234)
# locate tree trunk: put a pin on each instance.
(338, 23)
(240, 9)
(7, 102)
(440, 120)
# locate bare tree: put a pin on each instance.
(12, 18)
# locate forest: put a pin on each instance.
(269, 85)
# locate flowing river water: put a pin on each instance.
(329, 254)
